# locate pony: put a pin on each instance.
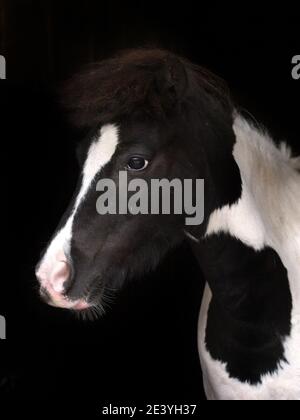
(157, 115)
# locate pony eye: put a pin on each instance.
(137, 163)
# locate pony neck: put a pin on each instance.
(266, 215)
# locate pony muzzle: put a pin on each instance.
(53, 277)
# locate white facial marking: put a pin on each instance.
(267, 214)
(100, 153)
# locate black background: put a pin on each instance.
(144, 350)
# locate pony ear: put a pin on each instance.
(172, 80)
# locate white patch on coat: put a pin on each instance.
(240, 220)
(268, 214)
(100, 153)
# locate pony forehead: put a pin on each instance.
(101, 150)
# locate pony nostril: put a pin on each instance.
(59, 276)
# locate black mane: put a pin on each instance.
(149, 81)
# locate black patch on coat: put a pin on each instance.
(250, 312)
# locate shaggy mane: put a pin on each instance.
(129, 83)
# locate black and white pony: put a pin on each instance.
(159, 116)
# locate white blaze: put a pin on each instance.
(100, 153)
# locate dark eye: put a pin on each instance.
(137, 163)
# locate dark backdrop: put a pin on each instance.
(144, 350)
